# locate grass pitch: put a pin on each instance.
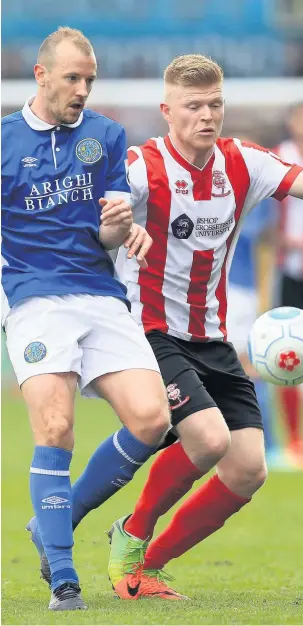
(250, 572)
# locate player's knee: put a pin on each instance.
(256, 476)
(152, 423)
(251, 478)
(246, 478)
(216, 444)
(57, 432)
(204, 441)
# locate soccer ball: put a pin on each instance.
(275, 346)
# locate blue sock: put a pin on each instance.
(111, 467)
(262, 391)
(51, 497)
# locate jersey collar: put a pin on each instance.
(190, 167)
(36, 124)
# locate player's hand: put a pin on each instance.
(138, 243)
(116, 212)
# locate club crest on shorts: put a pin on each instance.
(175, 397)
(34, 352)
(89, 150)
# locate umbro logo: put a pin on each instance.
(29, 162)
(54, 500)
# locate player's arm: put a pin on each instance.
(269, 174)
(116, 214)
(122, 231)
(296, 189)
(116, 222)
(139, 241)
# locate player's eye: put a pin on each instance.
(73, 78)
(216, 105)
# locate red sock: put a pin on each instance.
(171, 476)
(290, 397)
(200, 516)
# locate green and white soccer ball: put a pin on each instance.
(275, 346)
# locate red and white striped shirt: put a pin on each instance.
(194, 217)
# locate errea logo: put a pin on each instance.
(181, 186)
(29, 162)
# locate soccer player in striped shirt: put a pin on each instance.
(192, 190)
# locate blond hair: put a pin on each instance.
(191, 70)
(47, 49)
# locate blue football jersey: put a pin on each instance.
(52, 179)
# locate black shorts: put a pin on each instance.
(291, 292)
(203, 375)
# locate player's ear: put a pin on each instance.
(165, 110)
(39, 72)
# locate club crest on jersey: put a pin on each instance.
(34, 352)
(175, 397)
(89, 150)
(219, 182)
(182, 227)
(181, 187)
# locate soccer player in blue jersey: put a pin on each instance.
(65, 313)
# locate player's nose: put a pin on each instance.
(206, 113)
(82, 89)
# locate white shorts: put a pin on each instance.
(241, 315)
(87, 334)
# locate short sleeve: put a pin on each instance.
(269, 175)
(137, 176)
(116, 180)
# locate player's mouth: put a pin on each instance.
(206, 131)
(76, 106)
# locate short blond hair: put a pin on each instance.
(47, 49)
(191, 70)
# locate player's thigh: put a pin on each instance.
(50, 403)
(232, 390)
(243, 468)
(195, 417)
(114, 344)
(139, 399)
(241, 315)
(42, 341)
(42, 337)
(119, 365)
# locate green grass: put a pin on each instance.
(248, 573)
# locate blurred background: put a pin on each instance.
(259, 44)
